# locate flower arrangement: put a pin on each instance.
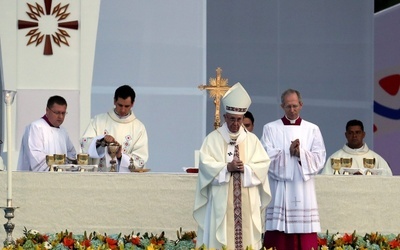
(33, 240)
(373, 241)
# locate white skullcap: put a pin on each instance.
(236, 100)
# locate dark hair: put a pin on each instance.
(56, 99)
(249, 115)
(355, 123)
(290, 91)
(124, 92)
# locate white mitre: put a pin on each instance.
(236, 101)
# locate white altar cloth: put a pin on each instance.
(358, 202)
(104, 202)
(156, 202)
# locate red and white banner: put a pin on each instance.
(387, 85)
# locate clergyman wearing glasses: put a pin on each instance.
(46, 136)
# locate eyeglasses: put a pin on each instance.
(291, 106)
(59, 113)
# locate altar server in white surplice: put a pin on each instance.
(121, 126)
(46, 137)
(232, 186)
(297, 153)
(357, 150)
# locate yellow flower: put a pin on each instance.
(150, 247)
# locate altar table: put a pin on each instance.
(156, 202)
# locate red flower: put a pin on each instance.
(112, 243)
(112, 247)
(69, 242)
(155, 241)
(86, 243)
(348, 238)
(322, 242)
(135, 241)
(45, 237)
(394, 243)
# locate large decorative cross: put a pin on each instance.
(217, 88)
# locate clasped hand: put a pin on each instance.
(295, 148)
(236, 165)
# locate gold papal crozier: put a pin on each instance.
(217, 88)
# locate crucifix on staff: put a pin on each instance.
(217, 88)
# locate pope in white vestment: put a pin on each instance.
(214, 208)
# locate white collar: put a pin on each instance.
(229, 137)
(292, 121)
(122, 117)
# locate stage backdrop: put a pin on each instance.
(322, 48)
(387, 85)
(47, 48)
(166, 49)
(157, 47)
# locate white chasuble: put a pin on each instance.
(130, 133)
(213, 210)
(357, 155)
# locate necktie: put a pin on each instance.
(237, 205)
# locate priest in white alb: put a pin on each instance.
(232, 187)
(44, 137)
(297, 153)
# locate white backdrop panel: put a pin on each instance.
(322, 48)
(157, 47)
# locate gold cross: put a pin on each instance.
(217, 88)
